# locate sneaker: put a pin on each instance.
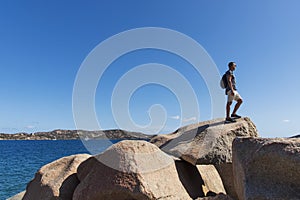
(230, 120)
(235, 116)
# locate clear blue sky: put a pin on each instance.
(43, 43)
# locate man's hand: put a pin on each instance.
(232, 92)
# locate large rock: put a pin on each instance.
(208, 142)
(129, 170)
(56, 180)
(266, 168)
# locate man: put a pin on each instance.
(232, 94)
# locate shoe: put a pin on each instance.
(230, 120)
(235, 116)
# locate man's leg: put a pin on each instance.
(229, 102)
(228, 109)
(237, 105)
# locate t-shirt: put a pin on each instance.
(228, 73)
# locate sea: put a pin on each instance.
(21, 159)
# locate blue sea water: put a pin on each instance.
(20, 159)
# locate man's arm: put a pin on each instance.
(230, 84)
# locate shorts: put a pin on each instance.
(235, 97)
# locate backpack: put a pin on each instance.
(223, 82)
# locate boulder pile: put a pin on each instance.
(210, 160)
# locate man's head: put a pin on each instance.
(232, 66)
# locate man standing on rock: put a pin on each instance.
(232, 94)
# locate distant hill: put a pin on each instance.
(75, 135)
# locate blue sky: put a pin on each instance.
(43, 45)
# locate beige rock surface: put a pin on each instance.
(200, 180)
(56, 180)
(18, 196)
(208, 142)
(226, 173)
(191, 179)
(129, 170)
(211, 179)
(266, 168)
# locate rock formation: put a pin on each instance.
(195, 162)
(56, 180)
(129, 170)
(208, 142)
(266, 168)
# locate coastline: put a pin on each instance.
(76, 135)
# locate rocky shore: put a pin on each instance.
(75, 135)
(210, 160)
